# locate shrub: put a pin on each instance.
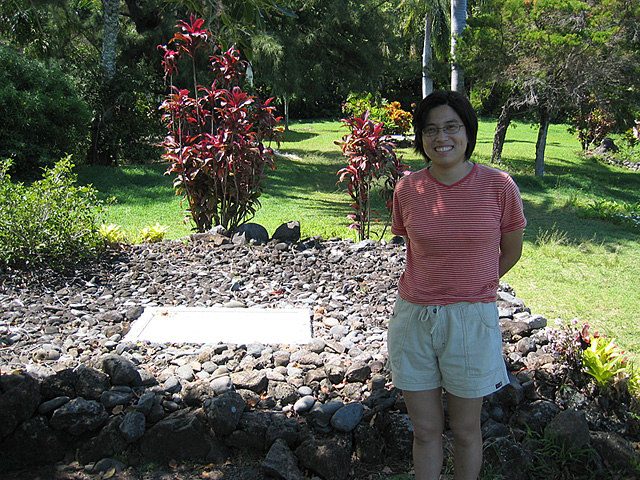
(593, 123)
(43, 117)
(215, 141)
(112, 234)
(52, 221)
(608, 210)
(393, 118)
(370, 156)
(153, 233)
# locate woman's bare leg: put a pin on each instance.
(427, 416)
(464, 420)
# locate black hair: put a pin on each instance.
(462, 107)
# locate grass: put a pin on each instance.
(572, 266)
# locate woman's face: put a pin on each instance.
(444, 149)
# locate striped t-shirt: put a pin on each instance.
(454, 234)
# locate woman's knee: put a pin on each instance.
(427, 432)
(467, 434)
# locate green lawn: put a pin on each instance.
(572, 267)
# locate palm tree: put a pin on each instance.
(111, 14)
(101, 151)
(458, 22)
(427, 57)
(431, 17)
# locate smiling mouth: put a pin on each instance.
(443, 149)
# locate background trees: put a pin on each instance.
(557, 61)
(548, 58)
(330, 48)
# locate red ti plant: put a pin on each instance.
(215, 140)
(370, 156)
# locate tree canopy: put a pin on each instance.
(551, 56)
(554, 60)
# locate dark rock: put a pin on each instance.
(19, 400)
(569, 428)
(181, 436)
(254, 380)
(121, 371)
(397, 428)
(250, 432)
(61, 384)
(281, 427)
(369, 445)
(106, 464)
(194, 394)
(224, 412)
(507, 457)
(78, 416)
(280, 462)
(358, 372)
(326, 457)
(133, 426)
(33, 442)
(535, 416)
(109, 441)
(250, 233)
(90, 383)
(287, 232)
(614, 449)
(347, 417)
(284, 393)
(111, 398)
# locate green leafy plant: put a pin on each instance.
(593, 123)
(370, 156)
(393, 118)
(51, 221)
(610, 210)
(154, 233)
(552, 459)
(43, 116)
(215, 141)
(631, 137)
(603, 360)
(112, 233)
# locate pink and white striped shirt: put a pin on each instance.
(454, 234)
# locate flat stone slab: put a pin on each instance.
(212, 325)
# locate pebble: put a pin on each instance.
(304, 404)
(52, 322)
(347, 418)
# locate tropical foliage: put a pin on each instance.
(394, 119)
(214, 144)
(370, 156)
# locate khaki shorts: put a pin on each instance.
(457, 347)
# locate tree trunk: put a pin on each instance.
(111, 14)
(101, 150)
(458, 22)
(427, 58)
(286, 112)
(541, 143)
(504, 120)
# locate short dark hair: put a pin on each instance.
(462, 106)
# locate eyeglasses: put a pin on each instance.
(447, 129)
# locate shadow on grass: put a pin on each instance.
(305, 170)
(546, 216)
(142, 184)
(292, 136)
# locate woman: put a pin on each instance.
(462, 223)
